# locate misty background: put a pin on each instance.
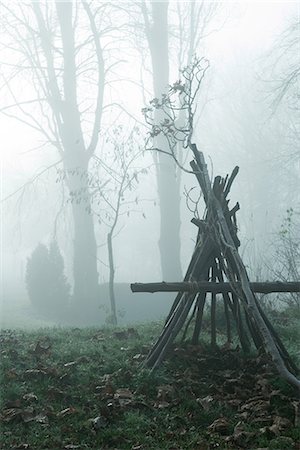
(75, 169)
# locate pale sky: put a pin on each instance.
(251, 27)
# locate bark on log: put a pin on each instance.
(216, 288)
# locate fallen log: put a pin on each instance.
(215, 288)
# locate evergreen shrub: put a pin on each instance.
(46, 283)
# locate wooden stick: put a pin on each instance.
(244, 339)
(230, 181)
(199, 317)
(213, 326)
(226, 299)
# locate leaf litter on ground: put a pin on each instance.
(200, 399)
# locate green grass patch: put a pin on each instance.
(87, 389)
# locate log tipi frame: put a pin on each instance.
(216, 259)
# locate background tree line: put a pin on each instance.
(71, 68)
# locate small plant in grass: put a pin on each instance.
(287, 255)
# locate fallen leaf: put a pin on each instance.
(71, 363)
(105, 378)
(106, 390)
(29, 415)
(256, 405)
(71, 447)
(52, 371)
(21, 447)
(98, 337)
(220, 426)
(43, 347)
(165, 393)
(235, 402)
(54, 392)
(161, 405)
(206, 402)
(10, 414)
(280, 424)
(31, 397)
(34, 372)
(240, 436)
(45, 371)
(98, 422)
(66, 412)
(263, 383)
(64, 378)
(81, 359)
(123, 393)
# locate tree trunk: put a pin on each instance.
(167, 183)
(169, 201)
(85, 257)
(76, 160)
(85, 272)
(111, 284)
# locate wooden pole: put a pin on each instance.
(215, 288)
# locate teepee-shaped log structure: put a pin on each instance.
(217, 267)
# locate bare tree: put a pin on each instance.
(286, 254)
(60, 54)
(286, 65)
(283, 76)
(112, 183)
(157, 34)
(173, 34)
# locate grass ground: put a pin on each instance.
(87, 389)
(20, 314)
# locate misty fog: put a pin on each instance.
(80, 187)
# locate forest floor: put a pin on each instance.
(87, 389)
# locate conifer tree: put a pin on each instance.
(47, 286)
